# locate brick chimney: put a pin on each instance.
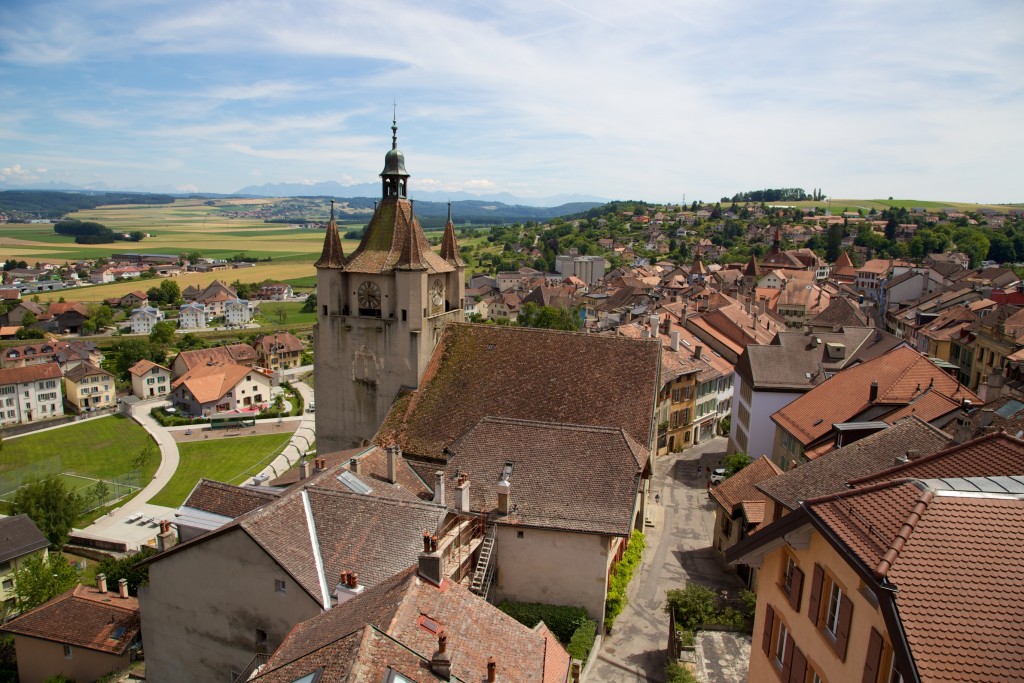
(303, 468)
(439, 487)
(441, 662)
(697, 350)
(504, 493)
(319, 465)
(462, 494)
(430, 562)
(166, 539)
(873, 392)
(353, 465)
(101, 583)
(394, 453)
(492, 670)
(348, 587)
(122, 588)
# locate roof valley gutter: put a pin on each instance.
(318, 560)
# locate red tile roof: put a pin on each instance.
(739, 489)
(227, 500)
(208, 383)
(144, 366)
(242, 354)
(29, 373)
(82, 617)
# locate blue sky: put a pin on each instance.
(644, 100)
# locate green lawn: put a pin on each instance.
(231, 460)
(101, 448)
(292, 309)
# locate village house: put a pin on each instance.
(144, 318)
(82, 634)
(89, 387)
(135, 299)
(237, 312)
(30, 393)
(220, 387)
(150, 380)
(275, 291)
(237, 354)
(20, 539)
(192, 316)
(278, 351)
(740, 507)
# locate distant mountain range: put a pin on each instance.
(331, 188)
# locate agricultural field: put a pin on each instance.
(840, 205)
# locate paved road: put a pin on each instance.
(678, 550)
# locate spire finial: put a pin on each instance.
(394, 125)
(332, 209)
(449, 211)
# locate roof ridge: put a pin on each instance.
(544, 423)
(936, 455)
(903, 535)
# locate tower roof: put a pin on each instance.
(394, 160)
(449, 246)
(394, 240)
(332, 256)
(752, 269)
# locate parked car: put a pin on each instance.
(311, 408)
(718, 476)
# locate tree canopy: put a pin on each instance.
(51, 506)
(550, 317)
(38, 579)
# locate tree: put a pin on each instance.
(550, 317)
(155, 296)
(128, 568)
(29, 319)
(171, 292)
(136, 235)
(190, 341)
(101, 316)
(162, 333)
(734, 462)
(51, 506)
(131, 351)
(281, 314)
(145, 456)
(29, 333)
(309, 306)
(38, 579)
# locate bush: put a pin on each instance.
(563, 620)
(694, 606)
(168, 420)
(582, 640)
(619, 580)
(127, 567)
(678, 673)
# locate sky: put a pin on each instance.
(661, 101)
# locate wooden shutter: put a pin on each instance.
(769, 622)
(874, 658)
(815, 600)
(799, 670)
(843, 631)
(787, 658)
(797, 587)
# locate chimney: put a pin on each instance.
(394, 453)
(504, 491)
(963, 432)
(655, 322)
(748, 305)
(348, 587)
(675, 340)
(441, 662)
(913, 454)
(492, 670)
(646, 333)
(986, 417)
(303, 468)
(122, 588)
(697, 350)
(430, 566)
(353, 465)
(577, 668)
(666, 327)
(101, 583)
(319, 465)
(873, 392)
(439, 487)
(462, 494)
(165, 540)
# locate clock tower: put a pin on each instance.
(380, 312)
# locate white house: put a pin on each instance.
(144, 318)
(29, 393)
(150, 380)
(192, 317)
(237, 312)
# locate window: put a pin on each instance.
(780, 643)
(726, 526)
(832, 619)
(280, 586)
(832, 614)
(261, 641)
(8, 584)
(67, 652)
(5, 567)
(792, 581)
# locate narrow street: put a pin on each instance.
(678, 550)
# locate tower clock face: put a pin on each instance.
(436, 295)
(369, 295)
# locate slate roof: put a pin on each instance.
(19, 536)
(531, 374)
(902, 375)
(227, 500)
(829, 473)
(30, 373)
(395, 240)
(82, 617)
(384, 627)
(739, 489)
(565, 477)
(332, 255)
(994, 455)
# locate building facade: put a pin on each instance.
(30, 393)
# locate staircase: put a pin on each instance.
(484, 572)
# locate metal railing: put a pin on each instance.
(258, 661)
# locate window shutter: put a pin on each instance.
(815, 599)
(787, 660)
(797, 589)
(874, 658)
(843, 632)
(769, 622)
(799, 671)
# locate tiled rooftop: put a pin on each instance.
(740, 487)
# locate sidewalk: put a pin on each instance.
(303, 438)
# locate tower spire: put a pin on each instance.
(394, 126)
(449, 246)
(332, 256)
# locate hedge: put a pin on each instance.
(582, 640)
(619, 580)
(563, 620)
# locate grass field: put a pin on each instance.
(293, 313)
(230, 460)
(101, 448)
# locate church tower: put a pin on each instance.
(380, 312)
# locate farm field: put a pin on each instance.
(230, 460)
(840, 205)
